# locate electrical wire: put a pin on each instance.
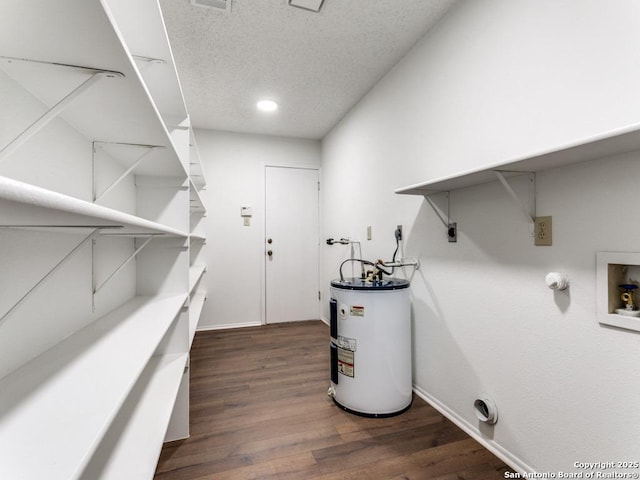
(393, 259)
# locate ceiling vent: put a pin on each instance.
(220, 5)
(311, 5)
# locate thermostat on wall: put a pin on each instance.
(245, 214)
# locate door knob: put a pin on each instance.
(270, 252)
(269, 240)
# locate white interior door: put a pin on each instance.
(291, 244)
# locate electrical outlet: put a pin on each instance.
(398, 232)
(452, 232)
(543, 231)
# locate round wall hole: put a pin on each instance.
(486, 410)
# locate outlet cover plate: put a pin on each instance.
(543, 231)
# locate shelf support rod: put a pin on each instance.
(174, 187)
(111, 73)
(142, 58)
(452, 227)
(444, 221)
(96, 289)
(529, 213)
(54, 111)
(86, 239)
(124, 174)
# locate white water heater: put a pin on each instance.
(371, 346)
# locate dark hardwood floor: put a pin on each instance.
(260, 410)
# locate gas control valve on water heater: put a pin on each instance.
(371, 346)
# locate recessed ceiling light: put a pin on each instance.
(267, 106)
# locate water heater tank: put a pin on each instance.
(371, 346)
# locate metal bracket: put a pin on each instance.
(96, 288)
(91, 236)
(152, 60)
(452, 227)
(163, 185)
(58, 108)
(530, 212)
(97, 196)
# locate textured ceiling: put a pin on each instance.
(315, 65)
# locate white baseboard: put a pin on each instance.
(227, 326)
(324, 320)
(506, 456)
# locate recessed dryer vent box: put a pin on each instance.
(614, 269)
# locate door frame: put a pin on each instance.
(263, 264)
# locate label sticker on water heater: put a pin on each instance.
(357, 311)
(346, 342)
(345, 362)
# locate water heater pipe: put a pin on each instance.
(404, 262)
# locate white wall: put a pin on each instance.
(495, 80)
(234, 166)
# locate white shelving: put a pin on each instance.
(117, 109)
(196, 237)
(151, 53)
(135, 437)
(195, 274)
(24, 204)
(616, 142)
(101, 297)
(197, 240)
(195, 165)
(195, 201)
(46, 391)
(195, 311)
(611, 143)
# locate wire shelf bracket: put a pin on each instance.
(150, 60)
(90, 237)
(97, 196)
(95, 287)
(528, 211)
(95, 76)
(452, 227)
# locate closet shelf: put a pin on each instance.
(196, 305)
(96, 115)
(614, 142)
(196, 237)
(195, 164)
(151, 53)
(195, 274)
(141, 425)
(195, 201)
(139, 159)
(57, 407)
(120, 110)
(44, 207)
